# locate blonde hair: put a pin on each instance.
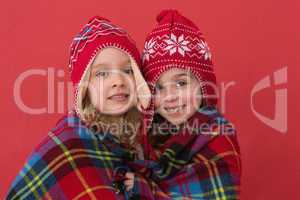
(126, 126)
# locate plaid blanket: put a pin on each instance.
(200, 160)
(74, 163)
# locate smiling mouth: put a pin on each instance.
(119, 97)
(174, 109)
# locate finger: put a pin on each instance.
(129, 175)
(128, 188)
(128, 182)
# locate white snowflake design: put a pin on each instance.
(175, 44)
(204, 50)
(148, 49)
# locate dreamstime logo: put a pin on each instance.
(279, 122)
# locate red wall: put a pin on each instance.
(249, 40)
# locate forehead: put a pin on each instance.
(111, 57)
(174, 73)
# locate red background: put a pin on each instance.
(249, 40)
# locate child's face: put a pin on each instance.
(112, 86)
(178, 95)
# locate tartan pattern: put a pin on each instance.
(201, 166)
(72, 163)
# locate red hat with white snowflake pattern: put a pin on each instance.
(176, 42)
(98, 34)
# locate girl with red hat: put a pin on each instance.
(84, 156)
(192, 149)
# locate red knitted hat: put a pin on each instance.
(97, 34)
(176, 42)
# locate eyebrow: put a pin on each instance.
(181, 74)
(102, 65)
(106, 65)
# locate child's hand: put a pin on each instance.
(129, 180)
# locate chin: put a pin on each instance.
(117, 111)
(179, 120)
(174, 121)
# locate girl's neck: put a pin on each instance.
(124, 127)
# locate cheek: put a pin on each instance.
(131, 87)
(129, 82)
(157, 101)
(192, 97)
(97, 92)
(197, 98)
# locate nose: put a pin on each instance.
(171, 99)
(118, 80)
(171, 95)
